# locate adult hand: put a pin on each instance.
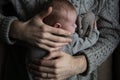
(58, 66)
(34, 31)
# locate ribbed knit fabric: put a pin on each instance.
(106, 10)
(5, 23)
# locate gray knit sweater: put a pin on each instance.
(106, 10)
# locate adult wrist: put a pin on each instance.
(15, 30)
(82, 64)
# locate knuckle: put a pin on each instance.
(44, 28)
(42, 35)
(50, 50)
(39, 40)
(55, 45)
(38, 45)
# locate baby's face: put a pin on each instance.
(70, 24)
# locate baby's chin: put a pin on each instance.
(73, 32)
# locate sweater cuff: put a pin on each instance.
(5, 29)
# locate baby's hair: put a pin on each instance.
(60, 4)
(60, 9)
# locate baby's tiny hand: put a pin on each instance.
(88, 21)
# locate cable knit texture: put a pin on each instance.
(106, 10)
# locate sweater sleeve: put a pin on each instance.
(79, 44)
(108, 39)
(5, 23)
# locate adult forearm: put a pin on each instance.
(81, 64)
(17, 30)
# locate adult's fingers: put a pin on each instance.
(51, 43)
(39, 78)
(47, 63)
(37, 74)
(36, 69)
(52, 37)
(46, 47)
(56, 31)
(47, 75)
(43, 74)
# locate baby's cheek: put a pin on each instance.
(72, 30)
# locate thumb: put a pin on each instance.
(45, 13)
(38, 19)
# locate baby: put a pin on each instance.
(64, 16)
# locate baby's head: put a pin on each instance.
(63, 15)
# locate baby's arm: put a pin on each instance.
(79, 43)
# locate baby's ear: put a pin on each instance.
(57, 25)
